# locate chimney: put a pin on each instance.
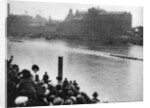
(60, 67)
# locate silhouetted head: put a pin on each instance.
(59, 78)
(11, 57)
(74, 81)
(77, 87)
(66, 79)
(79, 99)
(70, 82)
(58, 87)
(70, 93)
(95, 94)
(51, 98)
(15, 68)
(26, 73)
(35, 68)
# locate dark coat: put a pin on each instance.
(45, 78)
(26, 88)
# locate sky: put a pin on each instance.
(58, 11)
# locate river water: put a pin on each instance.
(115, 79)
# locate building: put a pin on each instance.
(96, 22)
(24, 25)
(19, 24)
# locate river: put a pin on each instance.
(115, 79)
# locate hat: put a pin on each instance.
(51, 98)
(45, 86)
(68, 102)
(51, 84)
(58, 101)
(79, 99)
(79, 96)
(73, 99)
(46, 92)
(21, 100)
(35, 67)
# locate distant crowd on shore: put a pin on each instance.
(26, 89)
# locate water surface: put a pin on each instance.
(115, 79)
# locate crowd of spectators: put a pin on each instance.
(26, 89)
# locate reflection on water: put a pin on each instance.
(115, 79)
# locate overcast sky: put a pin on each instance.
(59, 11)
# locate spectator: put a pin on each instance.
(36, 68)
(42, 93)
(26, 85)
(95, 99)
(45, 77)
